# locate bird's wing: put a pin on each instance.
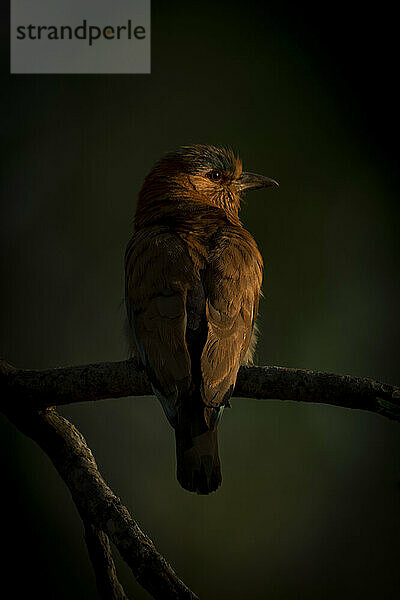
(233, 286)
(158, 273)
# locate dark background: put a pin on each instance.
(309, 506)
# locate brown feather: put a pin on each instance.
(193, 281)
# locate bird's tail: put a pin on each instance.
(198, 466)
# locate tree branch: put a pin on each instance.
(96, 502)
(28, 397)
(100, 554)
(42, 389)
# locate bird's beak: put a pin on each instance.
(252, 181)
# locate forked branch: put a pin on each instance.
(102, 511)
(28, 399)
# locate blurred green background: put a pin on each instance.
(309, 506)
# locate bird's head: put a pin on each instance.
(202, 174)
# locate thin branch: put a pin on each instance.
(96, 502)
(100, 554)
(346, 391)
(42, 389)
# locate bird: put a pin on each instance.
(193, 277)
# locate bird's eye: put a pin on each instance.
(215, 175)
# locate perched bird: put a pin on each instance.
(193, 280)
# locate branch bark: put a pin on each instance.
(100, 554)
(42, 389)
(28, 398)
(97, 504)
